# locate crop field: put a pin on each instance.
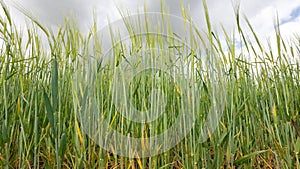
(65, 102)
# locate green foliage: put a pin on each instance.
(39, 127)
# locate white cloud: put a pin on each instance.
(260, 13)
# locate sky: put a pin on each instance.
(260, 13)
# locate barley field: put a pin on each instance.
(40, 101)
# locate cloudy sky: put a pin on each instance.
(260, 13)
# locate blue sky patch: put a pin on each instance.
(294, 14)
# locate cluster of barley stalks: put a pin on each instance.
(39, 126)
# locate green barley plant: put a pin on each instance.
(41, 105)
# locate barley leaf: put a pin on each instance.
(63, 144)
(49, 111)
(248, 156)
(54, 84)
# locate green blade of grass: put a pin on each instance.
(248, 157)
(54, 85)
(49, 111)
